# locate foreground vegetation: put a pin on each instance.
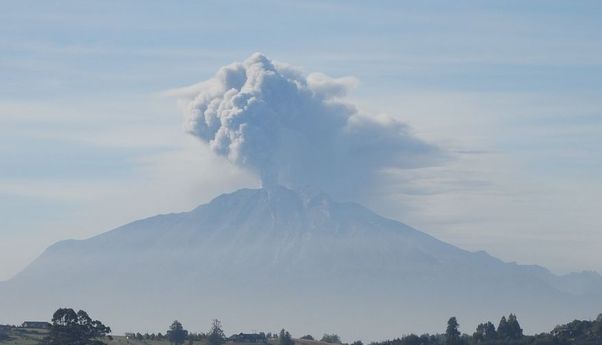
(77, 328)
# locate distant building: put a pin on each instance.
(249, 338)
(36, 324)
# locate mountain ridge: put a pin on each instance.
(274, 247)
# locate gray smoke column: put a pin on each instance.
(295, 129)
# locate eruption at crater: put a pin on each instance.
(294, 258)
(296, 130)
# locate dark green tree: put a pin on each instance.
(503, 329)
(597, 327)
(331, 338)
(515, 332)
(411, 339)
(3, 334)
(216, 334)
(71, 328)
(452, 334)
(427, 339)
(509, 328)
(176, 333)
(485, 332)
(285, 338)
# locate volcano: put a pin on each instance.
(271, 258)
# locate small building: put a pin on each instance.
(249, 338)
(36, 324)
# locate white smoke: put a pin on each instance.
(295, 130)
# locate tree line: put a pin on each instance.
(508, 332)
(78, 328)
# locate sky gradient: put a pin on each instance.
(90, 138)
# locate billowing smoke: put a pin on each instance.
(295, 129)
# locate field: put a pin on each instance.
(24, 336)
(27, 336)
(118, 340)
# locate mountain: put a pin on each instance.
(264, 259)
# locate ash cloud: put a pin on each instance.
(296, 130)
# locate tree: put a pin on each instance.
(216, 334)
(503, 330)
(597, 327)
(515, 332)
(176, 333)
(509, 328)
(411, 339)
(285, 338)
(307, 337)
(71, 328)
(452, 335)
(331, 338)
(3, 334)
(485, 332)
(427, 339)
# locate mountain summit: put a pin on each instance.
(299, 259)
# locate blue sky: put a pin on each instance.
(89, 141)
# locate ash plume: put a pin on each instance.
(296, 130)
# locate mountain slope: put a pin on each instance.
(299, 259)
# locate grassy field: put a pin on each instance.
(117, 340)
(26, 336)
